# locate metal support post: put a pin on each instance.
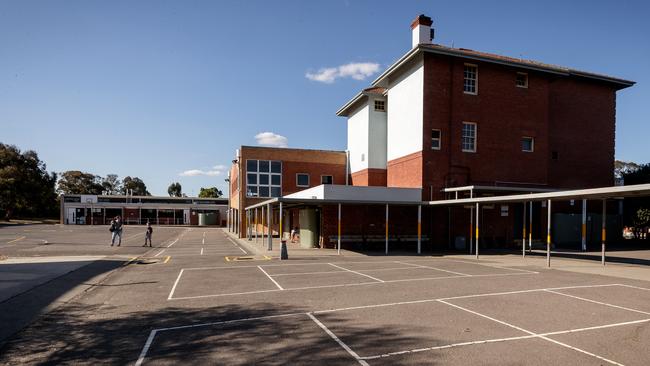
(477, 228)
(419, 229)
(280, 221)
(523, 233)
(263, 228)
(256, 227)
(530, 227)
(603, 234)
(339, 231)
(548, 234)
(268, 220)
(387, 229)
(583, 237)
(471, 230)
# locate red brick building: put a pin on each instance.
(441, 118)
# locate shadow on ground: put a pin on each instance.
(78, 334)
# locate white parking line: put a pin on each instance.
(442, 300)
(270, 278)
(598, 302)
(201, 251)
(532, 333)
(159, 253)
(237, 245)
(437, 269)
(171, 293)
(359, 273)
(341, 285)
(340, 342)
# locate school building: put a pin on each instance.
(445, 123)
(80, 209)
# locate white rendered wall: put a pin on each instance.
(405, 121)
(359, 193)
(377, 136)
(421, 34)
(358, 139)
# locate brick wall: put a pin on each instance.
(369, 177)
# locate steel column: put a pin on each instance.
(268, 220)
(280, 231)
(477, 228)
(339, 231)
(386, 229)
(548, 234)
(583, 237)
(419, 229)
(530, 227)
(603, 232)
(523, 234)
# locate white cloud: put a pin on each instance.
(271, 139)
(216, 170)
(356, 71)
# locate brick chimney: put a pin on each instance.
(421, 28)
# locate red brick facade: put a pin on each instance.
(369, 177)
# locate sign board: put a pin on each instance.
(504, 210)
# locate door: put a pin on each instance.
(70, 218)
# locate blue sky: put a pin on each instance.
(157, 88)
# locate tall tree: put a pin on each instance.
(175, 190)
(111, 184)
(26, 188)
(134, 185)
(624, 167)
(77, 182)
(211, 192)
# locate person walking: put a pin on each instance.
(116, 231)
(147, 234)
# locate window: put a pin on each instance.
(380, 106)
(263, 178)
(302, 180)
(326, 179)
(470, 81)
(527, 144)
(435, 139)
(469, 137)
(522, 80)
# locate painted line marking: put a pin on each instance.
(171, 293)
(237, 245)
(532, 333)
(488, 265)
(599, 302)
(341, 285)
(495, 340)
(17, 239)
(335, 338)
(270, 278)
(167, 259)
(201, 251)
(159, 253)
(172, 243)
(437, 269)
(153, 332)
(359, 273)
(203, 241)
(305, 273)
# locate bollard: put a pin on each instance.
(284, 254)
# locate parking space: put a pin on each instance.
(197, 304)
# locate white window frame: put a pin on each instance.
(475, 80)
(308, 179)
(380, 101)
(257, 173)
(439, 139)
(525, 86)
(326, 175)
(475, 137)
(532, 144)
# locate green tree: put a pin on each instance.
(637, 210)
(640, 175)
(134, 185)
(26, 188)
(212, 192)
(624, 167)
(175, 190)
(77, 182)
(111, 184)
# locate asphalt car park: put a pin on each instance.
(201, 297)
